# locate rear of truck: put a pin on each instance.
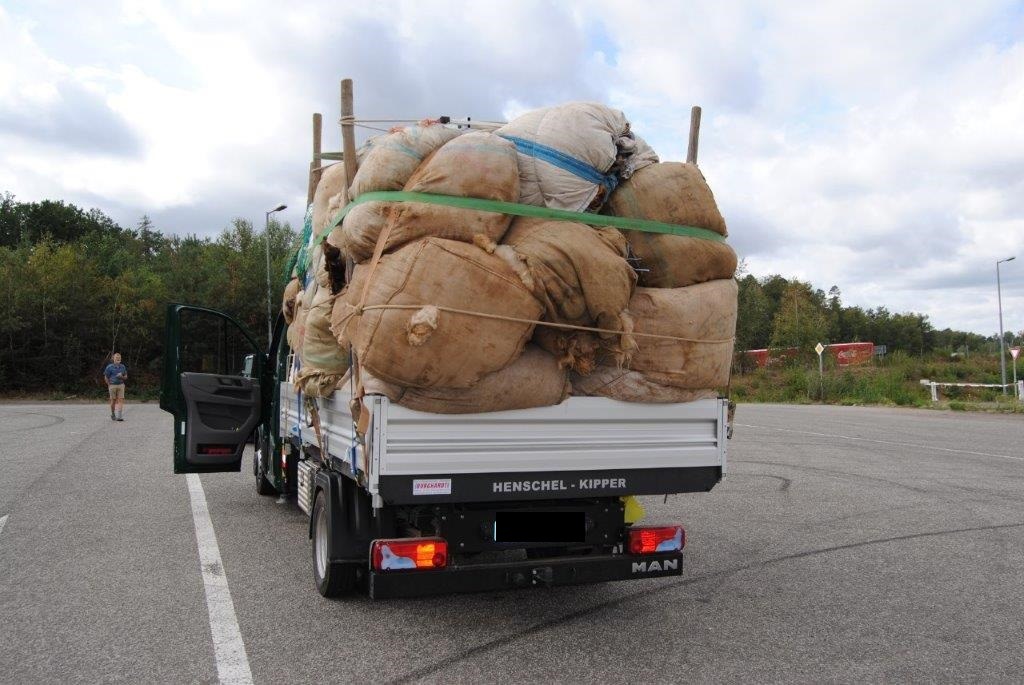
(441, 503)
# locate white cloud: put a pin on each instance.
(873, 145)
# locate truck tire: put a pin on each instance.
(263, 485)
(332, 579)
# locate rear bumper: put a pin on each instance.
(524, 574)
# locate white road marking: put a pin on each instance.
(883, 442)
(3, 522)
(228, 648)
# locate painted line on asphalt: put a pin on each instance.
(228, 648)
(3, 522)
(883, 442)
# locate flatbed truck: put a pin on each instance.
(420, 503)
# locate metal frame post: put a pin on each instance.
(1002, 341)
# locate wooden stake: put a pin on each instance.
(314, 167)
(691, 149)
(348, 132)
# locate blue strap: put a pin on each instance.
(563, 161)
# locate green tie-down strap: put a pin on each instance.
(524, 210)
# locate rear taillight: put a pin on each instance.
(409, 554)
(651, 539)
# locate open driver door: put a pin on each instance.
(216, 401)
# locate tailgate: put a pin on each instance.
(584, 447)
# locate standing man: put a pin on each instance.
(116, 374)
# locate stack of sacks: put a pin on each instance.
(449, 318)
(309, 297)
(690, 293)
(403, 315)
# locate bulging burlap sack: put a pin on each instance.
(389, 162)
(587, 132)
(477, 164)
(581, 276)
(676, 193)
(632, 386)
(297, 327)
(702, 312)
(579, 273)
(423, 346)
(392, 158)
(330, 193)
(289, 300)
(575, 350)
(324, 362)
(533, 380)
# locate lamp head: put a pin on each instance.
(278, 209)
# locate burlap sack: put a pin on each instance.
(423, 346)
(532, 380)
(289, 300)
(579, 273)
(297, 327)
(583, 134)
(703, 312)
(389, 163)
(676, 193)
(330, 193)
(632, 386)
(323, 359)
(671, 192)
(671, 261)
(392, 158)
(477, 164)
(575, 350)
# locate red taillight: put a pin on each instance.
(651, 539)
(409, 554)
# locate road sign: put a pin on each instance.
(819, 348)
(1014, 352)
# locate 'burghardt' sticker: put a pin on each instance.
(432, 486)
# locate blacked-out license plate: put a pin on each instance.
(540, 526)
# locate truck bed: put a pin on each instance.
(584, 447)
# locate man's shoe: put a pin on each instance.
(120, 419)
(112, 417)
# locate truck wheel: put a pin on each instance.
(263, 485)
(332, 579)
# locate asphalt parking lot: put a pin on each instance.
(846, 544)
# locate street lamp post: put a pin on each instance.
(1002, 341)
(266, 235)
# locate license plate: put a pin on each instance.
(540, 526)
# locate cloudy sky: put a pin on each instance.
(877, 146)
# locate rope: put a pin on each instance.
(352, 119)
(565, 326)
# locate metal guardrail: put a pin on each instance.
(934, 385)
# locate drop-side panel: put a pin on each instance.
(581, 434)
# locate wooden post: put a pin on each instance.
(691, 149)
(314, 167)
(348, 133)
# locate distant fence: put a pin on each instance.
(935, 387)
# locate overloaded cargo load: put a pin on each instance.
(470, 292)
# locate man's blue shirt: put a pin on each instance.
(112, 371)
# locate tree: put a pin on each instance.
(799, 321)
(754, 321)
